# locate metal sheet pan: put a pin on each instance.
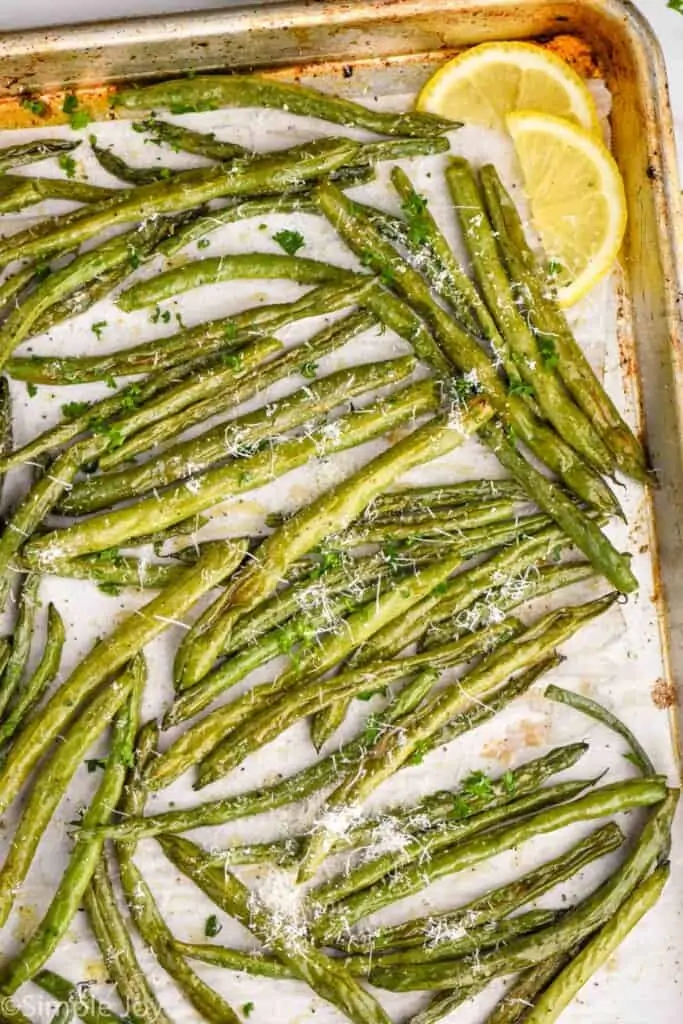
(392, 46)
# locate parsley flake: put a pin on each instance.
(36, 107)
(248, 1009)
(93, 763)
(31, 389)
(97, 328)
(212, 927)
(72, 410)
(290, 241)
(68, 165)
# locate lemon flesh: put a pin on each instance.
(576, 195)
(484, 84)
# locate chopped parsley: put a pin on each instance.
(161, 314)
(478, 784)
(676, 5)
(68, 165)
(520, 387)
(309, 370)
(418, 755)
(112, 433)
(233, 360)
(212, 927)
(108, 555)
(290, 241)
(111, 589)
(31, 389)
(72, 410)
(546, 347)
(373, 730)
(509, 783)
(248, 1009)
(203, 243)
(133, 257)
(93, 763)
(131, 397)
(97, 328)
(34, 106)
(70, 104)
(78, 116)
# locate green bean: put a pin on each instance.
(143, 908)
(187, 190)
(73, 425)
(229, 379)
(255, 963)
(200, 143)
(444, 1003)
(35, 686)
(459, 592)
(421, 501)
(21, 641)
(392, 751)
(458, 521)
(515, 591)
(18, 192)
(324, 772)
(118, 168)
(261, 266)
(6, 432)
(467, 355)
(304, 629)
(87, 850)
(593, 912)
(380, 969)
(106, 920)
(433, 256)
(606, 800)
(549, 322)
(89, 1009)
(9, 1014)
(493, 905)
(459, 346)
(111, 529)
(331, 899)
(517, 1000)
(312, 694)
(238, 437)
(327, 514)
(138, 629)
(287, 941)
(83, 298)
(34, 151)
(5, 651)
(204, 93)
(583, 532)
(598, 950)
(54, 779)
(62, 283)
(120, 571)
(205, 339)
(42, 497)
(245, 210)
(148, 405)
(534, 365)
(13, 285)
(637, 754)
(207, 737)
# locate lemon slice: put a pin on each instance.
(577, 198)
(486, 83)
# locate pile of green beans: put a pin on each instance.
(372, 591)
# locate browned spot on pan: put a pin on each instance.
(663, 695)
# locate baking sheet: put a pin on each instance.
(619, 659)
